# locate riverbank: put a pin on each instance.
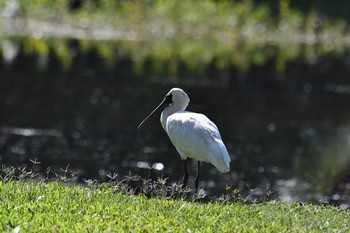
(175, 33)
(58, 207)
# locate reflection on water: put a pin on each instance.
(30, 132)
(290, 134)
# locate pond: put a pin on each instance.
(287, 129)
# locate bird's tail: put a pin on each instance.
(222, 162)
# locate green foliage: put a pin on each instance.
(176, 34)
(158, 15)
(58, 207)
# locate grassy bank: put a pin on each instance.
(214, 21)
(57, 207)
(175, 34)
(222, 22)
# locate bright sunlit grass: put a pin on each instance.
(58, 207)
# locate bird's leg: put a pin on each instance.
(197, 177)
(186, 174)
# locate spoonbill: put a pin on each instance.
(193, 134)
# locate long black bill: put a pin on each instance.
(166, 101)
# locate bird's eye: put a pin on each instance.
(169, 98)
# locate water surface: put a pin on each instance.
(286, 132)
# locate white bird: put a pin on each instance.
(193, 134)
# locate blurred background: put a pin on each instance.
(78, 76)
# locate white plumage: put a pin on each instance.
(193, 134)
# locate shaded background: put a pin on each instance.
(283, 110)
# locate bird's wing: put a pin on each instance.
(195, 136)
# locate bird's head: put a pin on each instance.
(176, 98)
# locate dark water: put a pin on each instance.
(288, 133)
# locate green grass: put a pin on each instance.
(59, 207)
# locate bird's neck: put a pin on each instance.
(171, 109)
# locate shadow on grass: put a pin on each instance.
(137, 185)
(130, 185)
(134, 185)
